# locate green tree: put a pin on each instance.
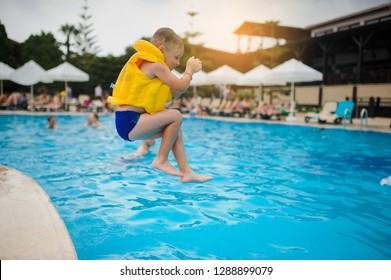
(192, 49)
(6, 51)
(105, 70)
(86, 42)
(43, 49)
(70, 32)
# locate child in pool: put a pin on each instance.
(142, 89)
(51, 122)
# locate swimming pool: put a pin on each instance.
(278, 192)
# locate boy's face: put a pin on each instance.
(172, 56)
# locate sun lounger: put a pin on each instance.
(329, 107)
(344, 111)
(96, 105)
(84, 102)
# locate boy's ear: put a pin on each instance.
(162, 48)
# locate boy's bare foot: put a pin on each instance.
(166, 167)
(191, 176)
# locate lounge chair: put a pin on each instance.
(329, 107)
(84, 102)
(96, 105)
(344, 111)
(214, 106)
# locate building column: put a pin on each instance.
(320, 96)
(361, 42)
(326, 47)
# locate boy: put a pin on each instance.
(142, 89)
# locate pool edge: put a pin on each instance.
(30, 226)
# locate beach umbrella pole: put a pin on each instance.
(291, 116)
(260, 93)
(32, 97)
(66, 96)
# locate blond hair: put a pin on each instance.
(167, 37)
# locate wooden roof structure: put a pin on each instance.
(273, 31)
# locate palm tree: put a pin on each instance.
(69, 31)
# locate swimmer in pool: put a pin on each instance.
(140, 93)
(51, 122)
(141, 151)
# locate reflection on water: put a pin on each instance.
(278, 192)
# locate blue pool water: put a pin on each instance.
(278, 192)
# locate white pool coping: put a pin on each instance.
(30, 226)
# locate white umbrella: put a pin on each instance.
(224, 75)
(293, 71)
(200, 79)
(257, 77)
(66, 72)
(5, 72)
(29, 74)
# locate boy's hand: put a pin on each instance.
(193, 65)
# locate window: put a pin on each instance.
(385, 18)
(343, 28)
(372, 21)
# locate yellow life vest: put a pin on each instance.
(135, 88)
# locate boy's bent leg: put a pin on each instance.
(179, 152)
(153, 124)
(169, 136)
(169, 122)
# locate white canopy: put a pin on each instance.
(293, 71)
(29, 74)
(257, 77)
(254, 77)
(66, 72)
(200, 79)
(5, 72)
(224, 75)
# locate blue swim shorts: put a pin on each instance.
(125, 121)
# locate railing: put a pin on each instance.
(345, 117)
(362, 113)
(375, 107)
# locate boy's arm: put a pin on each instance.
(178, 86)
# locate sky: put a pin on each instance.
(118, 23)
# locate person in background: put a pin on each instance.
(51, 122)
(17, 101)
(93, 120)
(145, 146)
(3, 98)
(69, 93)
(98, 91)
